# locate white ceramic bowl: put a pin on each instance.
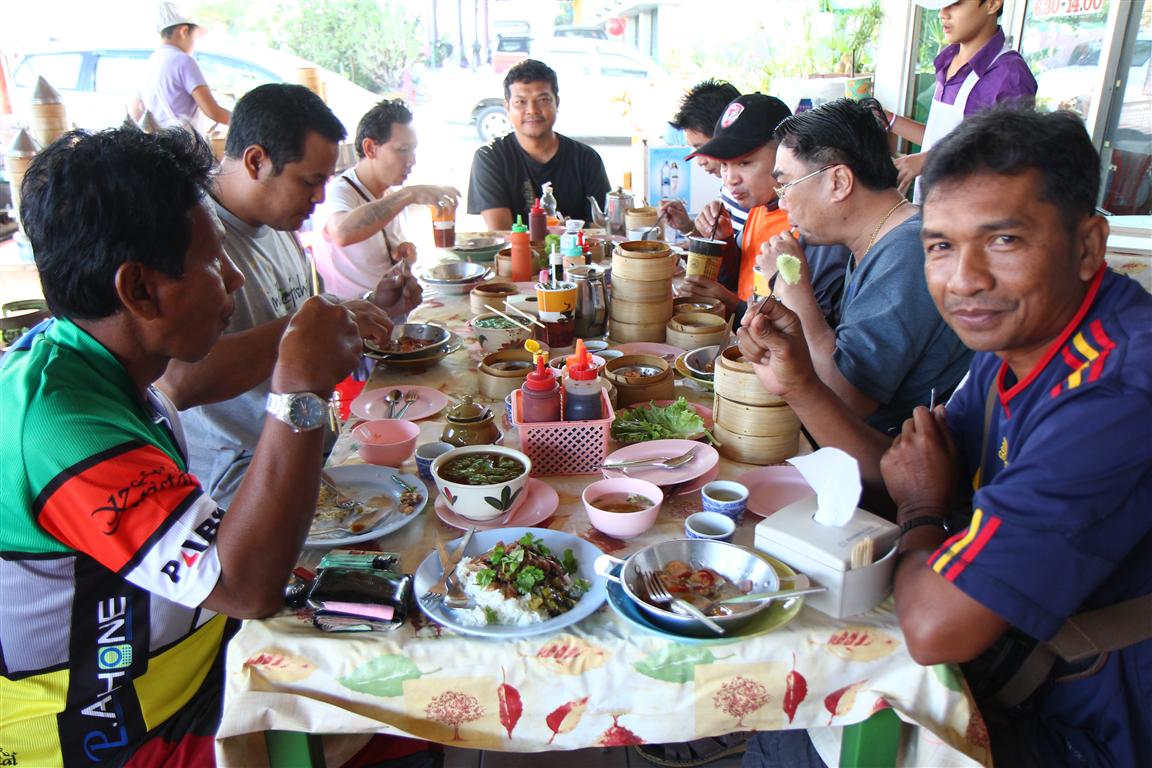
(497, 339)
(481, 502)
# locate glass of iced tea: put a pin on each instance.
(443, 225)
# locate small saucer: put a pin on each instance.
(539, 504)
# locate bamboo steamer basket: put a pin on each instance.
(503, 372)
(493, 294)
(641, 290)
(17, 158)
(623, 333)
(640, 312)
(309, 77)
(754, 420)
(641, 218)
(762, 450)
(734, 379)
(631, 390)
(643, 260)
(691, 330)
(48, 122)
(698, 304)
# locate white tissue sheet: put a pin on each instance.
(835, 476)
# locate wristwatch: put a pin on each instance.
(303, 411)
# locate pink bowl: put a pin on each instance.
(386, 442)
(622, 525)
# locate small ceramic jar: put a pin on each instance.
(470, 423)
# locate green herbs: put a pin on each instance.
(526, 568)
(678, 420)
(495, 322)
(490, 616)
(482, 469)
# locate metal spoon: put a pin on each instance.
(392, 398)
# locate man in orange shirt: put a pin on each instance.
(743, 143)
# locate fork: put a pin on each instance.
(410, 397)
(343, 500)
(660, 462)
(437, 591)
(659, 593)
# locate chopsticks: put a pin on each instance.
(524, 314)
(517, 323)
(863, 553)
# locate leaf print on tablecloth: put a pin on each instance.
(841, 701)
(618, 736)
(570, 655)
(674, 663)
(946, 674)
(740, 697)
(275, 664)
(565, 717)
(796, 690)
(862, 643)
(383, 675)
(510, 705)
(454, 708)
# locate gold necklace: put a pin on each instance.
(875, 232)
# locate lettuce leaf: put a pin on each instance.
(678, 420)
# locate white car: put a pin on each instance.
(98, 85)
(607, 89)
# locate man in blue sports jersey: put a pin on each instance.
(1050, 435)
(1051, 432)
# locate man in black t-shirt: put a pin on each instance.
(507, 173)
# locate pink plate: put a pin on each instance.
(705, 459)
(539, 504)
(773, 488)
(370, 403)
(666, 351)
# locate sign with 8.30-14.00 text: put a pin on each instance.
(1048, 9)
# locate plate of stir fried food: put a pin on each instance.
(522, 581)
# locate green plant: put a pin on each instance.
(370, 43)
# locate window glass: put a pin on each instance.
(931, 43)
(1128, 172)
(61, 70)
(119, 74)
(231, 78)
(1062, 42)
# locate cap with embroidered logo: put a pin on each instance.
(746, 125)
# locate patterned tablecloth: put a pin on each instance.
(601, 682)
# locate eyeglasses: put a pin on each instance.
(782, 190)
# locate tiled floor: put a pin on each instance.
(617, 757)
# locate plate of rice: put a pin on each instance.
(524, 581)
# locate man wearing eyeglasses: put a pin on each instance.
(890, 348)
(507, 173)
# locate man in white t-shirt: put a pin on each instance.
(174, 89)
(360, 238)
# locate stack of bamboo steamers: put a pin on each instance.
(753, 425)
(641, 303)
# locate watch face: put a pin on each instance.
(306, 412)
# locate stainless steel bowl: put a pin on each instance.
(454, 272)
(734, 563)
(434, 334)
(698, 359)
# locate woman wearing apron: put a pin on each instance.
(977, 70)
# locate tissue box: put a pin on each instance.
(824, 553)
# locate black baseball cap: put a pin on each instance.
(747, 124)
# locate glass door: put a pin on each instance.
(1126, 151)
